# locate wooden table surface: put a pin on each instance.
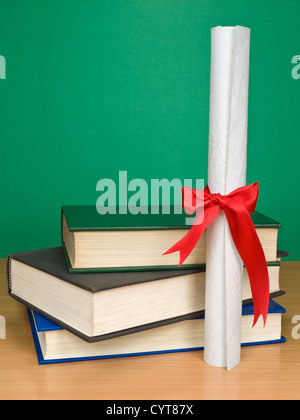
(265, 372)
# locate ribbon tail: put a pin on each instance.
(189, 241)
(251, 252)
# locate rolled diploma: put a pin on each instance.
(228, 123)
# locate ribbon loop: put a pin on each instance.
(215, 198)
(237, 206)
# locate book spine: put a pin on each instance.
(61, 224)
(9, 274)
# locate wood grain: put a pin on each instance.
(265, 372)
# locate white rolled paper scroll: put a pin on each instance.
(228, 123)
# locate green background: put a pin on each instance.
(98, 86)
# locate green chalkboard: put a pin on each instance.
(94, 87)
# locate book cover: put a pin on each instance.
(86, 218)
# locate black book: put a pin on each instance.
(99, 306)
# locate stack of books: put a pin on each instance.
(108, 290)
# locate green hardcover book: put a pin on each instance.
(99, 306)
(127, 242)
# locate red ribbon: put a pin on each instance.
(237, 206)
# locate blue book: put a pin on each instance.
(56, 345)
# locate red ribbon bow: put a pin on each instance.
(237, 206)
